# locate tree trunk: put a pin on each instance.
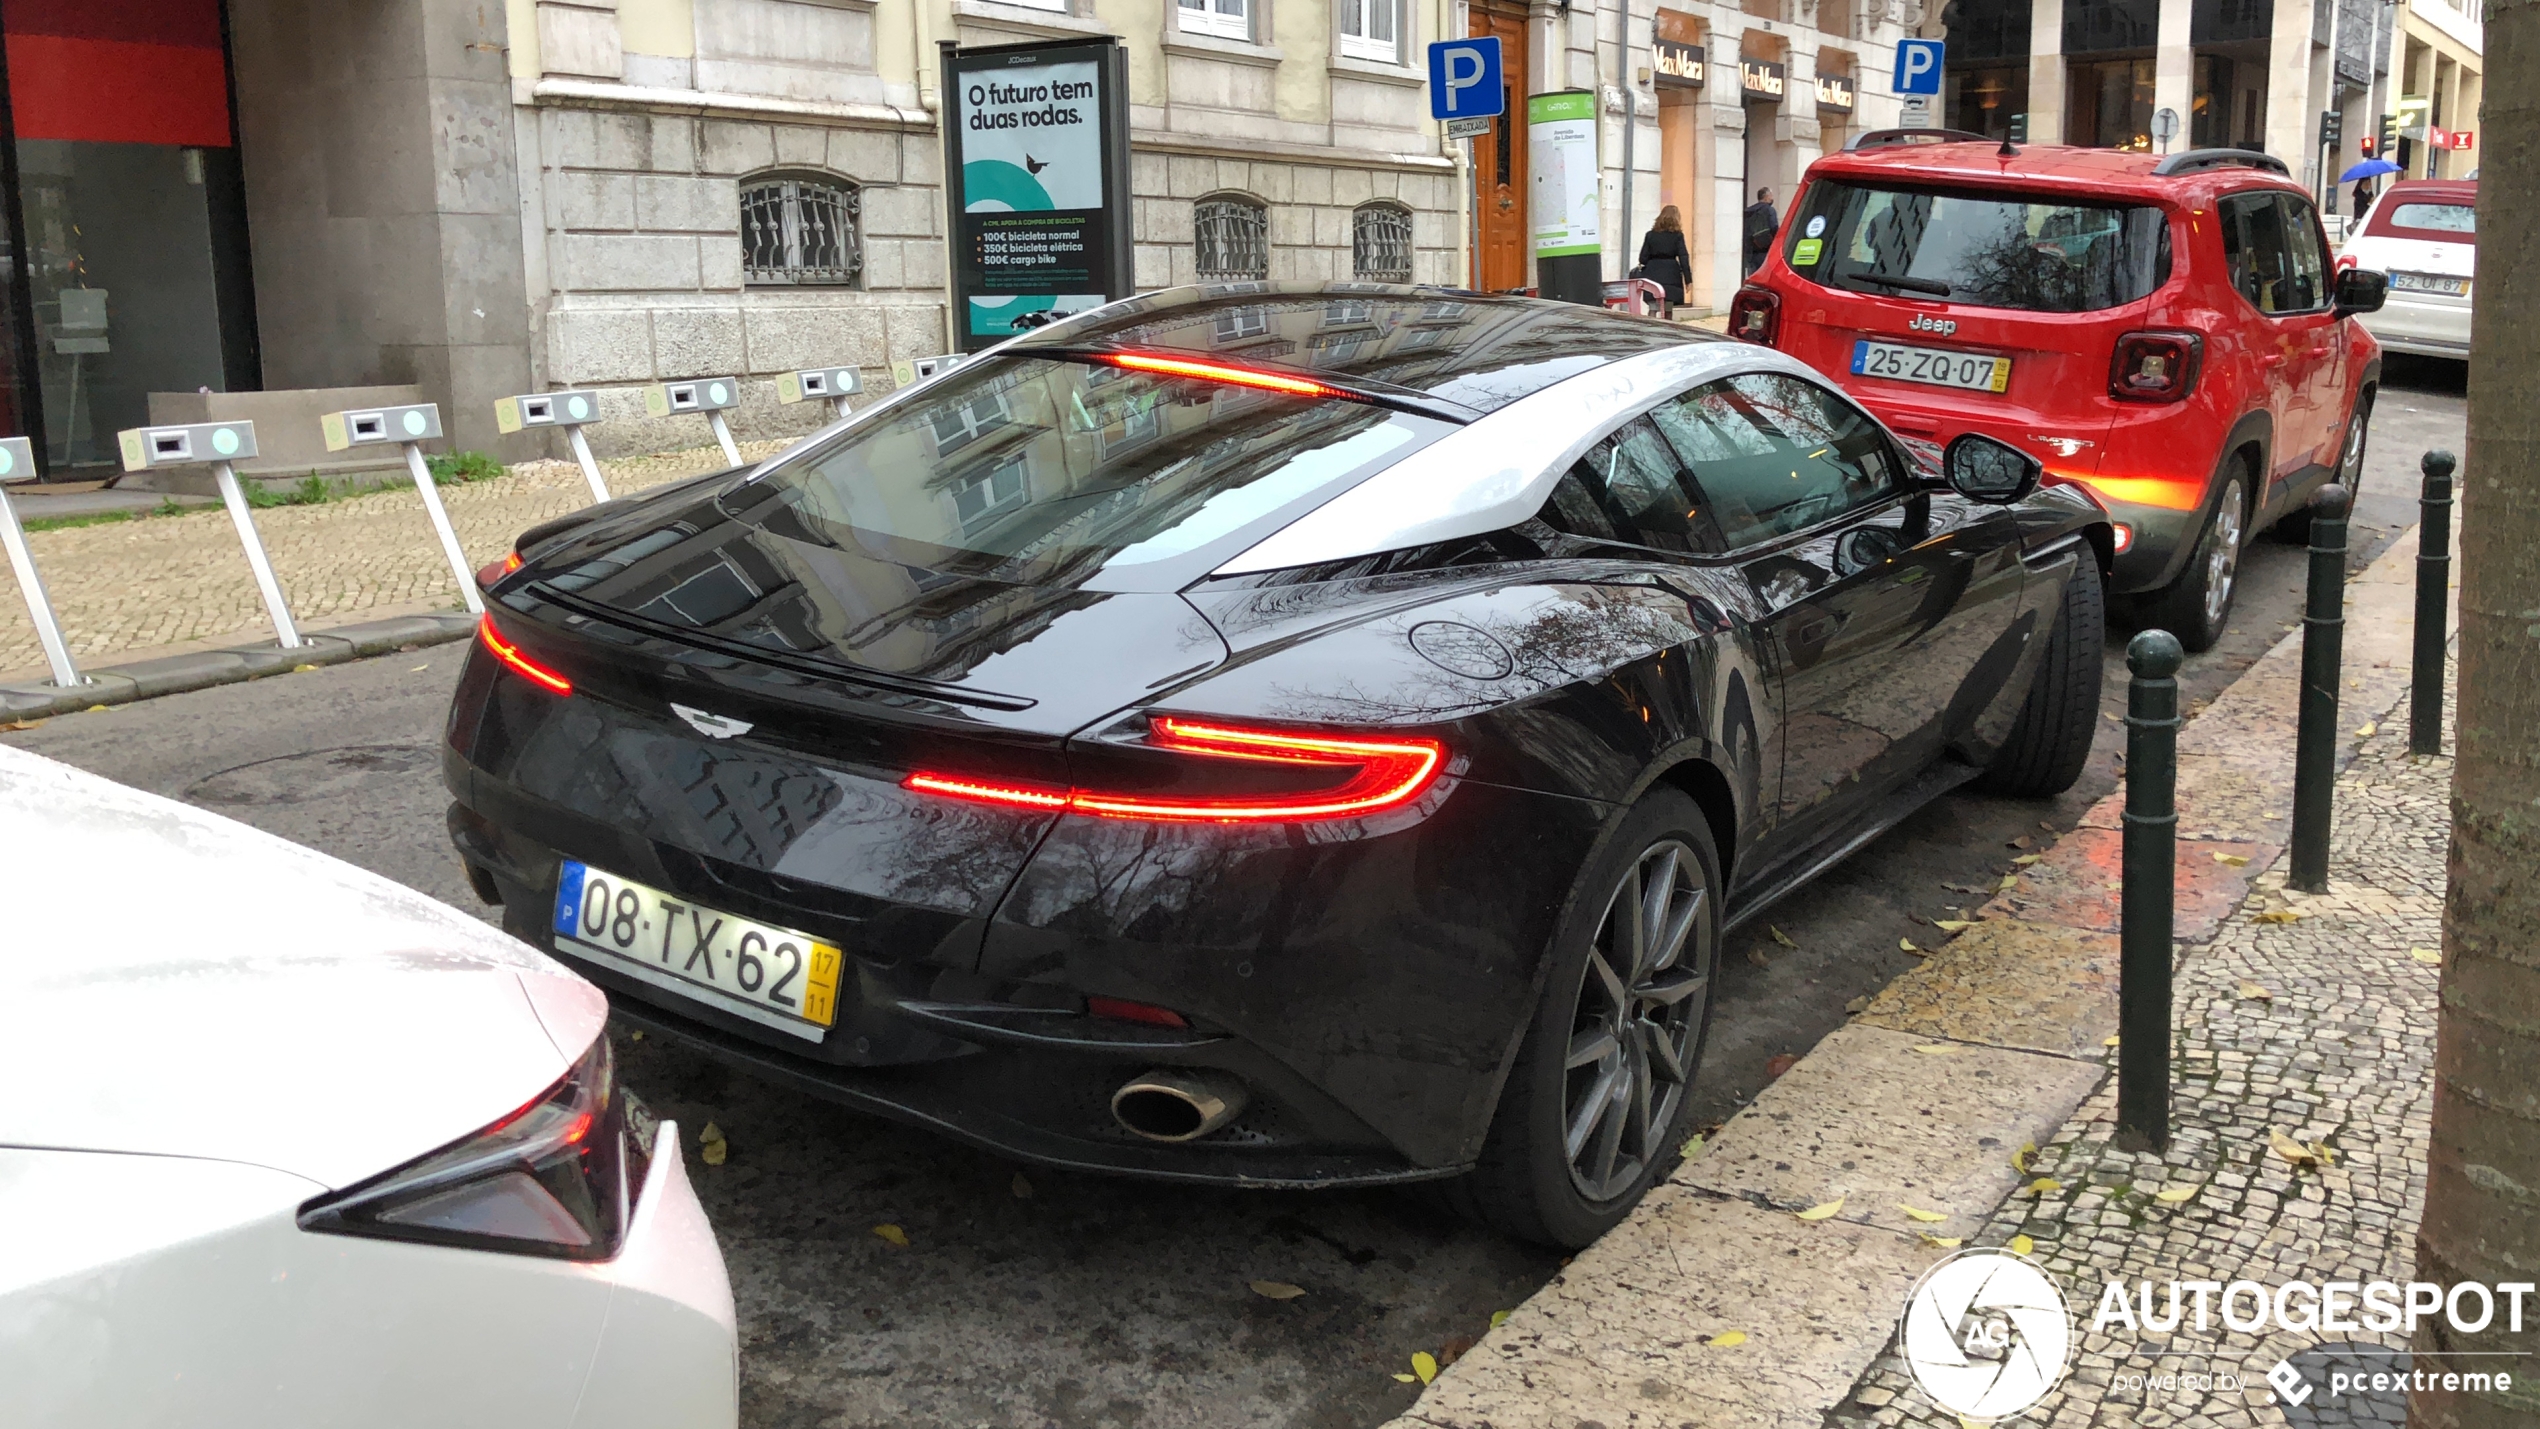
(2482, 1191)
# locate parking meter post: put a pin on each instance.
(723, 434)
(2148, 897)
(590, 467)
(441, 527)
(2434, 583)
(17, 463)
(2323, 642)
(277, 609)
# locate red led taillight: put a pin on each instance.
(1220, 372)
(1755, 315)
(493, 571)
(1369, 773)
(1120, 1009)
(2155, 366)
(518, 663)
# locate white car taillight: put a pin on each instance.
(556, 1178)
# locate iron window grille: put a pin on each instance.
(1380, 243)
(801, 229)
(1233, 239)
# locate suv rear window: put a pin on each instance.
(1991, 250)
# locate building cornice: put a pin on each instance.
(601, 94)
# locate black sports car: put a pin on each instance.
(1288, 736)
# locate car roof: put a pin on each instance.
(1472, 350)
(180, 984)
(2447, 190)
(2106, 173)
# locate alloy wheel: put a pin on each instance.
(1637, 1021)
(2222, 563)
(2350, 465)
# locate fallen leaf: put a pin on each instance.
(2020, 842)
(1907, 945)
(1780, 937)
(635, 1036)
(2019, 1245)
(1954, 925)
(2368, 727)
(2045, 1184)
(2291, 1150)
(1022, 1187)
(2174, 1194)
(1857, 1006)
(1779, 1063)
(1820, 1212)
(1276, 1290)
(893, 1234)
(1408, 1378)
(1692, 1147)
(1926, 1217)
(711, 1147)
(2024, 860)
(2276, 915)
(1945, 1242)
(1727, 1339)
(2251, 992)
(1454, 1349)
(2009, 882)
(418, 668)
(2427, 956)
(1962, 888)
(1425, 1365)
(2019, 1158)
(1937, 1049)
(2111, 1042)
(22, 724)
(96, 709)
(1756, 956)
(302, 669)
(1499, 1318)
(2232, 860)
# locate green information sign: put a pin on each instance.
(1561, 129)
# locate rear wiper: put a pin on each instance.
(1933, 286)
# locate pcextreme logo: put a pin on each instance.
(1987, 1333)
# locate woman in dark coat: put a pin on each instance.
(1664, 259)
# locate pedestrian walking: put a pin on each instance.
(1664, 260)
(2364, 196)
(1762, 222)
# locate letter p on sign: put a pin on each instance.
(1918, 66)
(1464, 79)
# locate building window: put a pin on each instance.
(801, 229)
(1370, 29)
(1380, 243)
(1226, 19)
(1233, 235)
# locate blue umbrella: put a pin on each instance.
(2368, 169)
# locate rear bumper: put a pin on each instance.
(2158, 540)
(2426, 327)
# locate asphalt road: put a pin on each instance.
(1026, 1297)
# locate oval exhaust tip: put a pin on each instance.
(1177, 1104)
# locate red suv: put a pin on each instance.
(2167, 333)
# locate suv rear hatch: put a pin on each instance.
(1963, 308)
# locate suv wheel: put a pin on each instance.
(2196, 606)
(2051, 742)
(1592, 1113)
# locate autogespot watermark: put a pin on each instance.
(1988, 1333)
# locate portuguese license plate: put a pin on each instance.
(773, 976)
(1938, 367)
(2429, 283)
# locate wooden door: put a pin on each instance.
(1499, 162)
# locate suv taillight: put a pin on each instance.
(1755, 315)
(2155, 366)
(556, 1178)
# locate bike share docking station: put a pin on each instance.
(712, 396)
(408, 427)
(17, 463)
(217, 445)
(570, 410)
(821, 384)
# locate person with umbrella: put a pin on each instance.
(2361, 176)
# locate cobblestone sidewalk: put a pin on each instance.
(2318, 1027)
(130, 586)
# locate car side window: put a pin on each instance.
(1771, 453)
(1630, 487)
(2307, 253)
(2271, 247)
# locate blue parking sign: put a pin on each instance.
(1464, 79)
(1918, 66)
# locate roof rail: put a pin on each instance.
(1877, 138)
(2192, 161)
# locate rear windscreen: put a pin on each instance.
(1024, 468)
(2457, 222)
(1991, 250)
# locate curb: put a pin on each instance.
(201, 670)
(1906, 1120)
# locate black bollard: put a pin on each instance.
(2434, 582)
(2151, 870)
(2323, 651)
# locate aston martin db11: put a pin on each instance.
(1273, 735)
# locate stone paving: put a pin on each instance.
(2318, 1028)
(131, 586)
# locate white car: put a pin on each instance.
(2423, 233)
(285, 1144)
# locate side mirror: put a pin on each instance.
(2361, 290)
(1995, 473)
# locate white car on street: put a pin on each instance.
(2423, 233)
(283, 1143)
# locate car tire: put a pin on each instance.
(2197, 605)
(1576, 1143)
(2050, 742)
(2294, 527)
